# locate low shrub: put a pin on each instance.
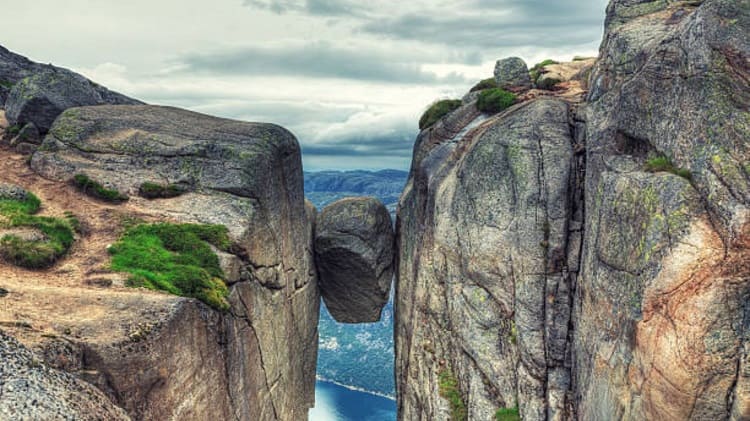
(437, 111)
(663, 164)
(485, 84)
(495, 100)
(6, 83)
(96, 190)
(547, 84)
(160, 191)
(448, 389)
(507, 414)
(33, 254)
(175, 258)
(13, 130)
(535, 71)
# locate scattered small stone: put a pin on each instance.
(4, 292)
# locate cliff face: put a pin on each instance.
(165, 357)
(545, 263)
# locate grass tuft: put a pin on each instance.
(536, 71)
(485, 84)
(547, 84)
(175, 258)
(437, 111)
(449, 391)
(495, 100)
(96, 190)
(33, 254)
(507, 414)
(160, 191)
(663, 164)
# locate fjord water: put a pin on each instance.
(338, 403)
(359, 356)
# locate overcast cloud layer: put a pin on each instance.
(349, 78)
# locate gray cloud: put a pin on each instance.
(314, 7)
(320, 60)
(498, 23)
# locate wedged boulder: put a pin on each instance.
(511, 73)
(354, 256)
(41, 97)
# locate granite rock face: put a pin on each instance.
(248, 177)
(36, 93)
(662, 304)
(485, 233)
(512, 72)
(546, 264)
(30, 390)
(354, 243)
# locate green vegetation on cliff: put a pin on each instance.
(94, 189)
(160, 191)
(450, 392)
(507, 414)
(32, 251)
(175, 258)
(495, 100)
(437, 111)
(535, 71)
(485, 84)
(664, 164)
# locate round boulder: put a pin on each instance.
(512, 72)
(354, 243)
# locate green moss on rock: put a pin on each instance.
(437, 111)
(495, 100)
(175, 258)
(94, 189)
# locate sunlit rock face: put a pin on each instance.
(589, 260)
(354, 256)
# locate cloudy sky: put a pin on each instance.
(348, 77)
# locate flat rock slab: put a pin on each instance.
(354, 254)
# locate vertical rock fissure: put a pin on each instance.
(268, 384)
(574, 247)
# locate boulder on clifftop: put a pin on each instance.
(43, 96)
(512, 72)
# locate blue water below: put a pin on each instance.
(336, 403)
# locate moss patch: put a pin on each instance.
(160, 191)
(663, 164)
(507, 414)
(548, 84)
(495, 100)
(96, 190)
(536, 71)
(485, 84)
(33, 254)
(437, 111)
(175, 258)
(6, 84)
(449, 391)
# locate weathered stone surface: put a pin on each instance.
(12, 191)
(512, 72)
(31, 390)
(483, 282)
(661, 320)
(636, 308)
(563, 72)
(28, 135)
(354, 243)
(41, 97)
(257, 362)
